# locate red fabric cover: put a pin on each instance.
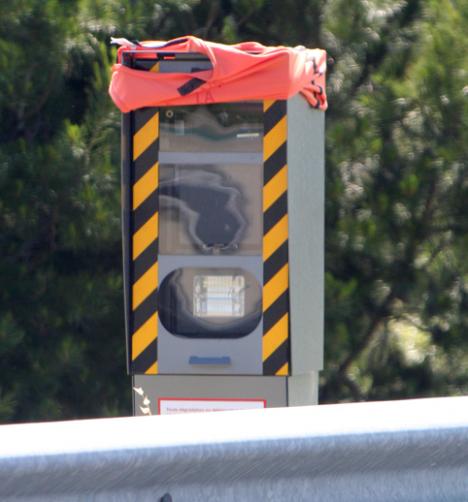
(246, 71)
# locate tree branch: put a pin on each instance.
(379, 315)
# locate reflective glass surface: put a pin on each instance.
(224, 127)
(210, 209)
(210, 302)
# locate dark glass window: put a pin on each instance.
(210, 302)
(210, 209)
(224, 127)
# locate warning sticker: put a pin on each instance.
(173, 406)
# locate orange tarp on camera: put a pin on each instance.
(246, 71)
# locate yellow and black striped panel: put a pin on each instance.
(275, 346)
(144, 242)
(146, 65)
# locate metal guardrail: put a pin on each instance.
(402, 450)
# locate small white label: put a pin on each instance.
(173, 406)
(248, 135)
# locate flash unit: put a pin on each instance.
(211, 302)
(219, 295)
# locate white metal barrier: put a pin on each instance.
(402, 450)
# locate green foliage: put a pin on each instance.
(395, 217)
(396, 292)
(60, 308)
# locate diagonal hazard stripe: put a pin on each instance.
(273, 115)
(273, 239)
(275, 287)
(276, 311)
(152, 370)
(142, 288)
(146, 361)
(144, 241)
(144, 336)
(155, 68)
(145, 161)
(145, 211)
(144, 311)
(145, 136)
(275, 342)
(145, 260)
(145, 236)
(275, 212)
(275, 262)
(267, 104)
(277, 335)
(283, 371)
(275, 187)
(276, 362)
(275, 138)
(145, 185)
(141, 117)
(275, 163)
